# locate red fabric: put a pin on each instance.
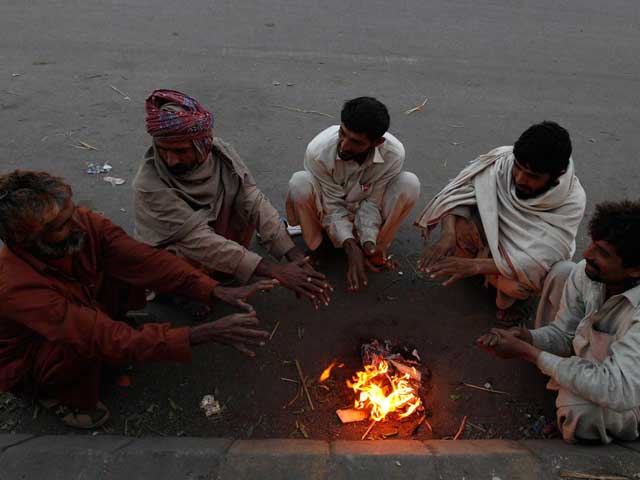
(40, 304)
(193, 124)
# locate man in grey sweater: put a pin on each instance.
(591, 350)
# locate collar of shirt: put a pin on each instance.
(598, 290)
(375, 158)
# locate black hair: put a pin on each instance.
(366, 115)
(544, 148)
(25, 197)
(618, 223)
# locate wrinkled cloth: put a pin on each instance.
(191, 121)
(304, 208)
(352, 193)
(193, 212)
(525, 236)
(591, 351)
(471, 243)
(43, 305)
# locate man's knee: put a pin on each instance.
(407, 186)
(301, 186)
(581, 422)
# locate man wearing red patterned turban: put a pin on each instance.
(195, 197)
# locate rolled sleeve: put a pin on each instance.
(548, 363)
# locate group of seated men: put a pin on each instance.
(68, 276)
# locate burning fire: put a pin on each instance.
(383, 393)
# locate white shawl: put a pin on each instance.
(525, 236)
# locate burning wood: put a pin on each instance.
(326, 373)
(348, 415)
(390, 383)
(383, 392)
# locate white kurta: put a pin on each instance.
(592, 351)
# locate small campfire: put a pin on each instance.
(388, 387)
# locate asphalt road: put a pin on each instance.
(74, 71)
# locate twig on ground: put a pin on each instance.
(591, 476)
(273, 332)
(302, 429)
(373, 422)
(490, 390)
(124, 95)
(428, 424)
(285, 379)
(477, 427)
(461, 429)
(417, 108)
(304, 384)
(300, 110)
(295, 397)
(418, 425)
(150, 428)
(84, 146)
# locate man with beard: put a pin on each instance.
(68, 276)
(195, 197)
(353, 188)
(591, 351)
(511, 215)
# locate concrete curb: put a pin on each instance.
(106, 457)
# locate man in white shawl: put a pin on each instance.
(511, 215)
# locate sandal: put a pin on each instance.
(76, 418)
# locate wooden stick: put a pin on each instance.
(591, 476)
(285, 379)
(304, 384)
(273, 332)
(461, 429)
(490, 390)
(477, 427)
(428, 424)
(301, 110)
(368, 430)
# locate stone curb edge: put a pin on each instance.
(106, 457)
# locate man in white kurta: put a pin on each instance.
(511, 215)
(591, 351)
(353, 188)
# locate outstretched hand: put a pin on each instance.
(237, 296)
(512, 343)
(455, 268)
(444, 247)
(300, 277)
(234, 330)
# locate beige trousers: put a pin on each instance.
(579, 419)
(304, 207)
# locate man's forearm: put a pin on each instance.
(530, 353)
(266, 269)
(449, 226)
(486, 266)
(295, 254)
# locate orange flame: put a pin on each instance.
(384, 393)
(326, 373)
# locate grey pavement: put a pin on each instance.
(75, 71)
(110, 457)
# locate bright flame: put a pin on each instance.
(326, 373)
(384, 393)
